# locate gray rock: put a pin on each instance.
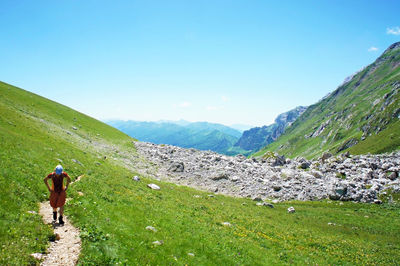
(158, 243)
(279, 161)
(177, 167)
(153, 186)
(326, 156)
(277, 188)
(37, 256)
(220, 176)
(291, 210)
(76, 161)
(376, 201)
(392, 175)
(136, 178)
(151, 228)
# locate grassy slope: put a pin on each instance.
(114, 211)
(347, 108)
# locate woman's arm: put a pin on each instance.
(47, 183)
(68, 181)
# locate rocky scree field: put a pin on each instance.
(361, 178)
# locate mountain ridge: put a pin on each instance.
(362, 107)
(255, 138)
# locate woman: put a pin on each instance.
(57, 191)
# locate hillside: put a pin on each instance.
(193, 227)
(359, 114)
(198, 135)
(256, 138)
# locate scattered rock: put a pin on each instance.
(279, 161)
(37, 256)
(76, 161)
(136, 178)
(268, 205)
(265, 204)
(177, 167)
(257, 199)
(153, 186)
(226, 224)
(32, 212)
(276, 188)
(291, 210)
(151, 228)
(376, 201)
(326, 156)
(74, 128)
(191, 254)
(392, 175)
(219, 176)
(158, 243)
(80, 193)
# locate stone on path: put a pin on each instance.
(153, 186)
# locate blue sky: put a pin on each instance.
(219, 61)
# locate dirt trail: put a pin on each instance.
(66, 250)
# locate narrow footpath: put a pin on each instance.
(66, 248)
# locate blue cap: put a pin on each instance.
(59, 169)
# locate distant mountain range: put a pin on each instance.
(208, 136)
(198, 135)
(362, 115)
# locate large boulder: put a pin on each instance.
(176, 167)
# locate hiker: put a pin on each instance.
(57, 191)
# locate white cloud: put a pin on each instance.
(372, 49)
(211, 108)
(224, 98)
(393, 30)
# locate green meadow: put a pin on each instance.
(193, 227)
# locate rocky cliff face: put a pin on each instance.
(365, 105)
(357, 178)
(258, 137)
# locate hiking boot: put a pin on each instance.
(60, 220)
(54, 216)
